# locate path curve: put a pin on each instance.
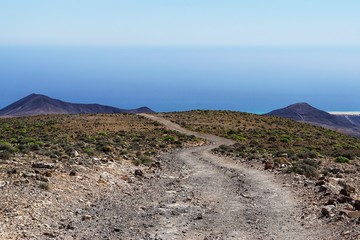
(234, 202)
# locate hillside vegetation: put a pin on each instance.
(272, 138)
(60, 137)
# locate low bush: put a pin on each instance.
(342, 159)
(307, 167)
(145, 160)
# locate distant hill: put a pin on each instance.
(37, 104)
(303, 112)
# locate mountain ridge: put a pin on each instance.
(38, 104)
(304, 112)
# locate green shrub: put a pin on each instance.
(7, 147)
(106, 148)
(6, 150)
(88, 150)
(342, 159)
(307, 167)
(4, 155)
(285, 139)
(169, 138)
(145, 160)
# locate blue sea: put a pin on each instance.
(250, 79)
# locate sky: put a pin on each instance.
(180, 22)
(178, 55)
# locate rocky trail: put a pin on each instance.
(203, 196)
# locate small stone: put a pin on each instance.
(323, 189)
(327, 210)
(346, 186)
(44, 165)
(47, 174)
(268, 165)
(3, 184)
(86, 217)
(72, 173)
(29, 174)
(76, 154)
(331, 202)
(70, 226)
(320, 183)
(51, 235)
(344, 192)
(356, 205)
(352, 214)
(139, 173)
(344, 199)
(12, 171)
(105, 176)
(339, 175)
(42, 178)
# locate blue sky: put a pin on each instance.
(171, 55)
(180, 22)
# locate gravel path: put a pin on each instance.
(204, 196)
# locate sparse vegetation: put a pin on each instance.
(307, 167)
(342, 159)
(266, 137)
(59, 136)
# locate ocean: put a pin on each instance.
(249, 79)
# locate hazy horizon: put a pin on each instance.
(257, 79)
(252, 56)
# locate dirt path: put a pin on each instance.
(204, 196)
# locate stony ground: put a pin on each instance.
(189, 193)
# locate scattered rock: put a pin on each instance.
(44, 165)
(344, 192)
(51, 235)
(86, 217)
(356, 205)
(268, 165)
(346, 186)
(352, 214)
(70, 226)
(3, 184)
(42, 178)
(29, 175)
(47, 174)
(327, 210)
(12, 171)
(331, 202)
(105, 176)
(323, 189)
(344, 199)
(139, 173)
(76, 154)
(72, 173)
(320, 183)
